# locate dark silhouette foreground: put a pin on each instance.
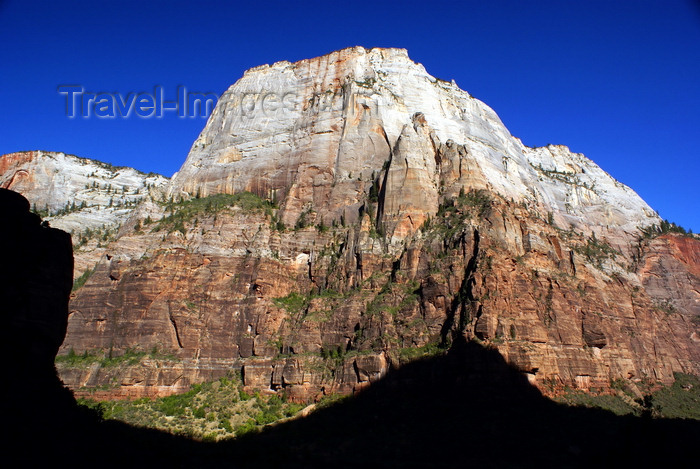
(464, 409)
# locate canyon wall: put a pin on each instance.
(343, 215)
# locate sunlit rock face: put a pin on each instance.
(315, 134)
(378, 213)
(87, 198)
(76, 193)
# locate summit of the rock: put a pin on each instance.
(342, 54)
(317, 133)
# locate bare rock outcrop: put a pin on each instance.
(342, 215)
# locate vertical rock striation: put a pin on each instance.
(316, 133)
(342, 215)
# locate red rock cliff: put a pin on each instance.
(378, 214)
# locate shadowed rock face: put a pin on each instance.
(36, 279)
(36, 275)
(466, 407)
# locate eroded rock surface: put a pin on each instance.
(380, 214)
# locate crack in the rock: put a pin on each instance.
(464, 300)
(177, 334)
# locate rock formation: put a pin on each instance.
(340, 215)
(87, 198)
(36, 274)
(316, 134)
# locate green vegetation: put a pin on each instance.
(277, 225)
(109, 359)
(108, 166)
(321, 227)
(333, 360)
(297, 306)
(432, 349)
(80, 281)
(366, 83)
(385, 305)
(101, 235)
(608, 402)
(478, 201)
(393, 297)
(567, 177)
(303, 222)
(680, 400)
(41, 212)
(666, 306)
(187, 211)
(373, 196)
(664, 227)
(596, 250)
(210, 411)
(453, 213)
(294, 303)
(331, 400)
(223, 409)
(70, 207)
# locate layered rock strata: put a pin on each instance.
(341, 215)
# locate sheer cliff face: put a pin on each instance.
(392, 213)
(315, 134)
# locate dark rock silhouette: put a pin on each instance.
(43, 425)
(467, 407)
(36, 275)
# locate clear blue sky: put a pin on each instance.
(616, 80)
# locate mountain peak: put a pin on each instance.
(335, 121)
(340, 214)
(341, 55)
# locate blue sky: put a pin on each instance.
(617, 81)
